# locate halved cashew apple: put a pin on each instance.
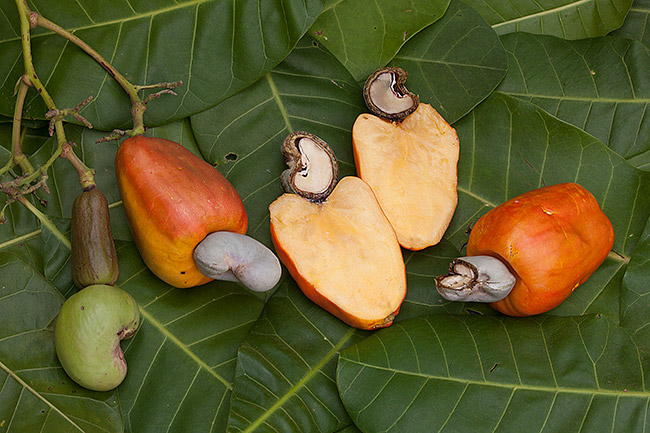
(231, 256)
(87, 335)
(334, 238)
(408, 154)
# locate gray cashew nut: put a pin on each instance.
(476, 279)
(235, 257)
(87, 335)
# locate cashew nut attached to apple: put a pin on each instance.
(179, 209)
(231, 256)
(87, 335)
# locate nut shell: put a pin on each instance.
(386, 95)
(313, 168)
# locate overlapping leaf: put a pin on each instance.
(182, 360)
(365, 34)
(637, 23)
(219, 47)
(35, 392)
(569, 19)
(601, 85)
(286, 367)
(635, 293)
(484, 374)
(455, 63)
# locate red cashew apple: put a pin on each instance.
(173, 200)
(551, 240)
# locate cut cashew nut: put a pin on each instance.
(386, 95)
(231, 256)
(313, 169)
(476, 279)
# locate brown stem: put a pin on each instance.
(86, 174)
(138, 105)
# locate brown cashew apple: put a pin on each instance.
(408, 154)
(334, 238)
(527, 255)
(175, 202)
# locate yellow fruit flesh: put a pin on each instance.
(344, 249)
(412, 168)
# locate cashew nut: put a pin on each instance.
(87, 335)
(232, 256)
(476, 279)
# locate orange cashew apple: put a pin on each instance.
(551, 240)
(173, 202)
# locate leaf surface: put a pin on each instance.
(487, 374)
(285, 378)
(568, 19)
(219, 47)
(35, 392)
(182, 360)
(600, 85)
(365, 34)
(637, 23)
(454, 63)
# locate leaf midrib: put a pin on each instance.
(523, 387)
(161, 328)
(542, 13)
(149, 14)
(26, 386)
(278, 404)
(579, 98)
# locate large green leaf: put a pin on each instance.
(601, 85)
(637, 23)
(365, 34)
(569, 19)
(455, 63)
(635, 294)
(219, 47)
(35, 393)
(182, 360)
(286, 367)
(483, 374)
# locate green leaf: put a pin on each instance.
(285, 378)
(182, 359)
(569, 19)
(486, 374)
(455, 63)
(36, 394)
(219, 47)
(365, 34)
(635, 293)
(509, 146)
(601, 85)
(637, 23)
